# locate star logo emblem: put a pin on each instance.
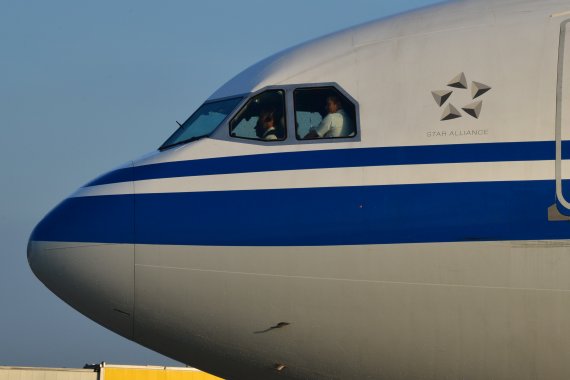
(459, 83)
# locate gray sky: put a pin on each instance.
(86, 86)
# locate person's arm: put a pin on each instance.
(321, 130)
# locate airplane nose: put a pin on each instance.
(83, 251)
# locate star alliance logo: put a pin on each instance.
(450, 111)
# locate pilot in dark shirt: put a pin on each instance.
(265, 128)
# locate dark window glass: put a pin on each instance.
(202, 122)
(323, 113)
(262, 118)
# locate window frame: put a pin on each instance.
(346, 98)
(223, 131)
(224, 122)
(247, 101)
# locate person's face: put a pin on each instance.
(332, 107)
(267, 121)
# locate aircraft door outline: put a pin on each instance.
(562, 119)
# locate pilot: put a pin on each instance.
(336, 124)
(265, 128)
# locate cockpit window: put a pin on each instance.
(262, 118)
(202, 122)
(323, 113)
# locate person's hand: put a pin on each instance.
(311, 135)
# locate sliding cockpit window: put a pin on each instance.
(323, 113)
(202, 122)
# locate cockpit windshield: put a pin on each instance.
(202, 122)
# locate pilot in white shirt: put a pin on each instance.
(336, 124)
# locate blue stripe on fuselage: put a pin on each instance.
(107, 219)
(337, 158)
(453, 212)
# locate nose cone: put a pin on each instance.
(83, 252)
